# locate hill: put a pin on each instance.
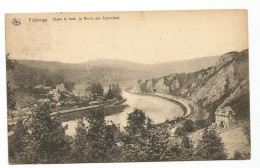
(224, 84)
(107, 70)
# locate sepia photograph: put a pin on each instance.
(140, 86)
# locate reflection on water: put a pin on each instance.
(156, 108)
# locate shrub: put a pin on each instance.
(189, 126)
(210, 147)
(180, 131)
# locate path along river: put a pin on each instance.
(158, 109)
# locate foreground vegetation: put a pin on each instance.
(42, 139)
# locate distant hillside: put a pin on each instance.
(159, 68)
(26, 78)
(226, 83)
(106, 70)
(185, 66)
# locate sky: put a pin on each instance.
(143, 37)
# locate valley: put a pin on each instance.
(169, 94)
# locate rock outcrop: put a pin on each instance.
(226, 83)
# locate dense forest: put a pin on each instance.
(26, 78)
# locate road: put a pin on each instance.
(190, 113)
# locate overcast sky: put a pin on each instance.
(144, 37)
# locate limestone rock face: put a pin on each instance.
(161, 87)
(137, 88)
(241, 90)
(217, 86)
(149, 86)
(226, 58)
(175, 84)
(225, 83)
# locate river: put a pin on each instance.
(156, 108)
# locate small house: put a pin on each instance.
(60, 88)
(225, 117)
(56, 98)
(39, 87)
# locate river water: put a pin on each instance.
(156, 108)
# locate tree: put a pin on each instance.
(40, 139)
(49, 82)
(201, 124)
(69, 86)
(11, 102)
(189, 126)
(210, 147)
(180, 131)
(95, 89)
(114, 91)
(142, 140)
(49, 136)
(79, 147)
(101, 138)
(186, 148)
(98, 141)
(117, 90)
(110, 93)
(136, 121)
(134, 137)
(10, 63)
(18, 143)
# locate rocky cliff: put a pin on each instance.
(226, 83)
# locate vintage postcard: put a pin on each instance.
(127, 86)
